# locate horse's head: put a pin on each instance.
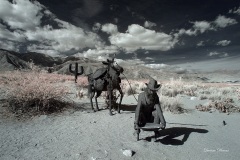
(118, 68)
(108, 62)
(113, 65)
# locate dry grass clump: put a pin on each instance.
(171, 104)
(80, 93)
(130, 90)
(132, 86)
(238, 93)
(217, 93)
(34, 92)
(82, 81)
(82, 87)
(225, 106)
(172, 88)
(203, 91)
(178, 86)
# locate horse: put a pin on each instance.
(105, 79)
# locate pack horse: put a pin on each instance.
(105, 79)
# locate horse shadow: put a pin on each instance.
(129, 108)
(170, 135)
(125, 108)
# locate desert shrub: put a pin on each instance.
(170, 92)
(237, 91)
(133, 86)
(34, 92)
(215, 97)
(226, 90)
(130, 90)
(82, 81)
(81, 92)
(225, 106)
(175, 87)
(215, 93)
(171, 104)
(203, 96)
(190, 89)
(203, 91)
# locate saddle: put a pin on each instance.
(100, 73)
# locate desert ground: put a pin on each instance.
(79, 133)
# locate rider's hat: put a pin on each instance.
(153, 85)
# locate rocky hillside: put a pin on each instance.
(10, 62)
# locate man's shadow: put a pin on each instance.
(170, 135)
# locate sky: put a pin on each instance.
(154, 31)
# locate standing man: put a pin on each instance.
(148, 108)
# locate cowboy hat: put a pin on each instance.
(152, 84)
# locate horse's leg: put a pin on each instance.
(110, 101)
(91, 95)
(97, 95)
(121, 97)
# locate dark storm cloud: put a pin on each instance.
(170, 29)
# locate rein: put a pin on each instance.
(128, 83)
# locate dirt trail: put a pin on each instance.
(83, 135)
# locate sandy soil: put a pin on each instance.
(81, 134)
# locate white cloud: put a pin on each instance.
(223, 43)
(201, 43)
(24, 18)
(203, 26)
(156, 66)
(10, 45)
(96, 27)
(16, 35)
(148, 24)
(99, 52)
(222, 21)
(149, 58)
(110, 28)
(45, 49)
(223, 54)
(213, 54)
(138, 37)
(21, 14)
(64, 39)
(131, 62)
(235, 11)
(198, 27)
(191, 32)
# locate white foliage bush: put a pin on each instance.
(171, 104)
(34, 91)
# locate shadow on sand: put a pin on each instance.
(171, 136)
(127, 107)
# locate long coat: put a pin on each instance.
(148, 111)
